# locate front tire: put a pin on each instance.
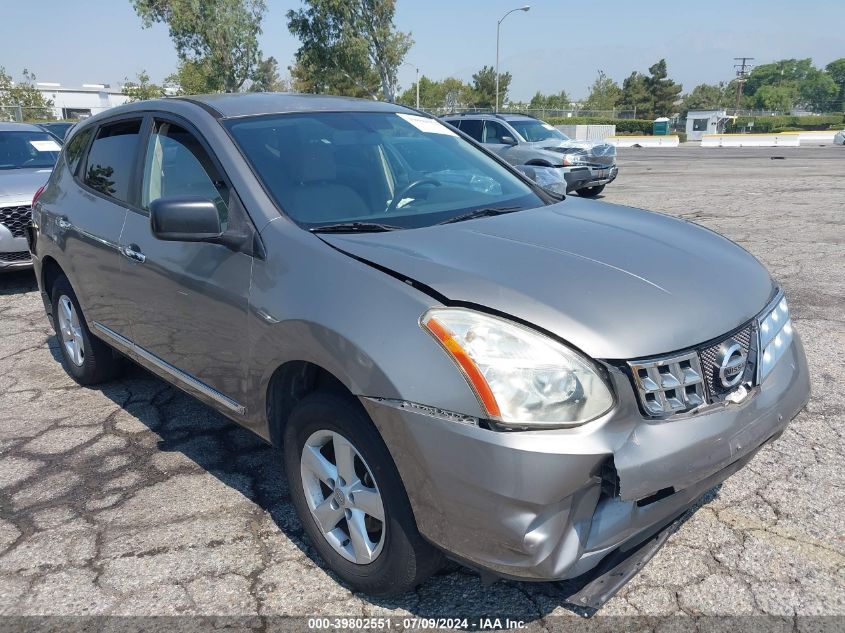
(591, 192)
(86, 358)
(350, 499)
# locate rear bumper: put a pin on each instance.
(530, 505)
(14, 251)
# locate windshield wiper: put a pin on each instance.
(355, 227)
(481, 213)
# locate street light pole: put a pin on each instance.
(498, 29)
(417, 69)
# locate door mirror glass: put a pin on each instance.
(185, 219)
(508, 140)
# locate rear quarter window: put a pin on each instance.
(75, 149)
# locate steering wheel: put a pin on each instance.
(399, 195)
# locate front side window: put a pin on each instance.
(176, 164)
(494, 131)
(28, 150)
(397, 169)
(533, 130)
(111, 159)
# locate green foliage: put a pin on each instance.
(793, 83)
(195, 77)
(605, 94)
(635, 95)
(220, 37)
(706, 97)
(348, 47)
(836, 71)
(623, 126)
(484, 86)
(768, 124)
(663, 91)
(25, 95)
(446, 95)
(266, 77)
(559, 101)
(143, 88)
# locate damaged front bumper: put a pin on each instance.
(552, 505)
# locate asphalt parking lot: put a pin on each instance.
(135, 499)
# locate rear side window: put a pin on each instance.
(76, 148)
(472, 127)
(111, 160)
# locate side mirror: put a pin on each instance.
(508, 140)
(185, 219)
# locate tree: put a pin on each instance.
(836, 71)
(484, 86)
(605, 94)
(539, 101)
(143, 88)
(349, 47)
(635, 95)
(219, 36)
(25, 95)
(194, 77)
(662, 90)
(706, 97)
(266, 78)
(817, 91)
(445, 95)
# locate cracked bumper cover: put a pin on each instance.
(528, 505)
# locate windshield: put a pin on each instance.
(25, 150)
(394, 169)
(533, 130)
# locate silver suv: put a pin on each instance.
(453, 361)
(586, 166)
(27, 156)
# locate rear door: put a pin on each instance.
(189, 298)
(88, 219)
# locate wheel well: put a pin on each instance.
(50, 271)
(289, 384)
(539, 163)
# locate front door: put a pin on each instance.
(190, 297)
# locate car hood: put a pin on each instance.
(20, 185)
(614, 281)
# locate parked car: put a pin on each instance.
(839, 138)
(587, 166)
(27, 155)
(59, 129)
(453, 361)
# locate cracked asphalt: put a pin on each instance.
(134, 499)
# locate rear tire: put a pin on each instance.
(400, 559)
(86, 358)
(591, 192)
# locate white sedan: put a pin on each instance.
(839, 138)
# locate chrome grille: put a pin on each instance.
(16, 219)
(17, 256)
(669, 385)
(709, 356)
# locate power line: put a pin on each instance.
(743, 69)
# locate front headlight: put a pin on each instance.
(522, 378)
(573, 159)
(775, 336)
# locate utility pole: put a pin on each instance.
(743, 69)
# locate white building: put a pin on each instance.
(81, 102)
(701, 122)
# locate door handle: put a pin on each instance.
(130, 252)
(63, 224)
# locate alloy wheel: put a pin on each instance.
(343, 496)
(71, 331)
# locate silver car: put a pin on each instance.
(454, 362)
(587, 167)
(839, 138)
(27, 156)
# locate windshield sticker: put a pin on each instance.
(46, 146)
(424, 124)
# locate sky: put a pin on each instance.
(557, 45)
